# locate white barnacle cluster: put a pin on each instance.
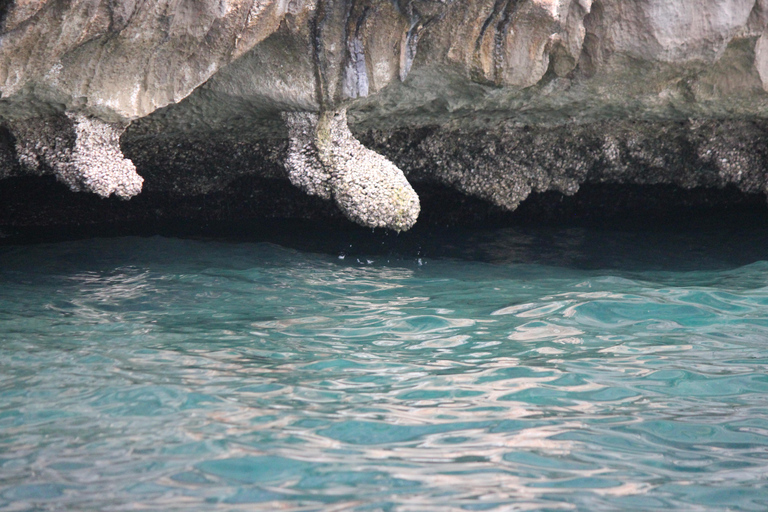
(83, 152)
(326, 160)
(98, 162)
(42, 141)
(304, 168)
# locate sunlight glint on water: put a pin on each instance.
(190, 375)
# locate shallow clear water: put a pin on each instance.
(497, 370)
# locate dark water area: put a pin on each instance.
(297, 367)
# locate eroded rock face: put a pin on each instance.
(505, 165)
(262, 72)
(556, 59)
(122, 60)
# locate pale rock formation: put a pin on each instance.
(83, 152)
(122, 60)
(761, 59)
(325, 159)
(303, 163)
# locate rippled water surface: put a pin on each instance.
(498, 370)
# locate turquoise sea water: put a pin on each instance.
(497, 370)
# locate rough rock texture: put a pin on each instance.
(84, 153)
(302, 161)
(325, 159)
(494, 98)
(505, 165)
(122, 59)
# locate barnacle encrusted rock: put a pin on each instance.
(83, 152)
(325, 159)
(302, 162)
(497, 99)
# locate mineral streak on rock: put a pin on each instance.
(83, 152)
(325, 159)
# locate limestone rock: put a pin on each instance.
(326, 160)
(496, 70)
(121, 60)
(401, 63)
(305, 170)
(82, 152)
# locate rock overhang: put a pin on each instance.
(566, 69)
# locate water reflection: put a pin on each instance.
(256, 377)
